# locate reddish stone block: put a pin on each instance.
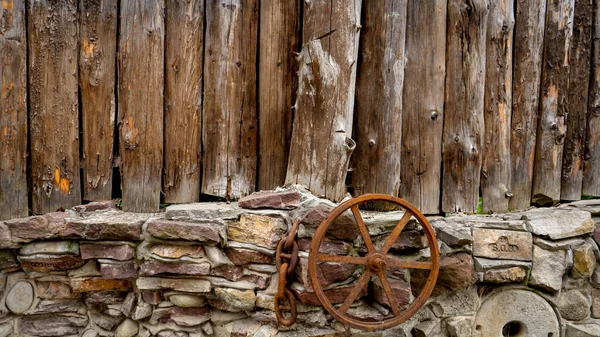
(242, 256)
(344, 228)
(99, 284)
(55, 291)
(95, 206)
(47, 263)
(118, 270)
(328, 246)
(400, 291)
(335, 295)
(159, 267)
(152, 297)
(271, 199)
(108, 225)
(456, 272)
(104, 251)
(205, 232)
(327, 273)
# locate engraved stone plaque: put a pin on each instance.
(502, 244)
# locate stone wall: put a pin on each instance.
(208, 269)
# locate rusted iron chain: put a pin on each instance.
(287, 250)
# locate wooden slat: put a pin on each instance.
(591, 163)
(54, 107)
(378, 113)
(495, 171)
(141, 83)
(13, 110)
(229, 129)
(423, 104)
(321, 142)
(528, 51)
(551, 126)
(184, 26)
(464, 102)
(97, 58)
(576, 120)
(277, 80)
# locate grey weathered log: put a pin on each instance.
(141, 87)
(229, 123)
(54, 106)
(553, 102)
(13, 111)
(184, 22)
(321, 142)
(591, 163)
(464, 103)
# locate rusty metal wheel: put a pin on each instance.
(376, 262)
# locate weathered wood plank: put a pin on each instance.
(54, 116)
(13, 110)
(141, 84)
(576, 116)
(321, 142)
(423, 104)
(528, 52)
(591, 163)
(555, 79)
(277, 79)
(229, 129)
(97, 58)
(495, 171)
(464, 103)
(184, 25)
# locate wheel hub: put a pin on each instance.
(376, 262)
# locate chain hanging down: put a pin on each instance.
(287, 249)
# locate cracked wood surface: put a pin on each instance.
(591, 163)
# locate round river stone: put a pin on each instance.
(20, 297)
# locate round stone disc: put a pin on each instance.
(517, 313)
(20, 297)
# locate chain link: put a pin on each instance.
(287, 250)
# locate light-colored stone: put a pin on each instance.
(508, 275)
(584, 261)
(219, 317)
(596, 303)
(141, 311)
(591, 205)
(20, 297)
(50, 247)
(128, 328)
(460, 302)
(558, 223)
(233, 299)
(548, 268)
(187, 285)
(263, 231)
(186, 300)
(203, 211)
(459, 326)
(501, 244)
(216, 256)
(104, 225)
(595, 280)
(50, 262)
(582, 330)
(564, 244)
(483, 264)
(429, 328)
(452, 237)
(177, 251)
(495, 223)
(573, 305)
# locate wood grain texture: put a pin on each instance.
(141, 87)
(54, 116)
(97, 58)
(379, 85)
(576, 117)
(527, 69)
(184, 26)
(495, 170)
(423, 104)
(591, 163)
(464, 104)
(321, 142)
(229, 129)
(13, 110)
(277, 79)
(554, 86)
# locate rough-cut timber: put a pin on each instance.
(141, 79)
(13, 110)
(97, 57)
(553, 102)
(423, 104)
(495, 170)
(54, 108)
(321, 142)
(464, 101)
(528, 49)
(376, 160)
(277, 79)
(576, 111)
(183, 94)
(591, 163)
(229, 123)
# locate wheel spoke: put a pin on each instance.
(342, 259)
(360, 285)
(408, 264)
(388, 292)
(364, 232)
(395, 233)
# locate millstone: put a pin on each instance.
(20, 297)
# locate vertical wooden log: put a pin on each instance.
(277, 80)
(13, 110)
(141, 84)
(591, 164)
(464, 101)
(378, 114)
(184, 26)
(555, 79)
(321, 135)
(495, 171)
(54, 106)
(229, 131)
(528, 52)
(423, 104)
(577, 102)
(97, 58)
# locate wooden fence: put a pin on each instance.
(442, 102)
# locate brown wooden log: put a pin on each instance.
(321, 142)
(576, 117)
(277, 79)
(54, 106)
(379, 85)
(141, 84)
(13, 110)
(423, 104)
(591, 164)
(184, 27)
(528, 52)
(229, 130)
(97, 58)
(495, 171)
(464, 103)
